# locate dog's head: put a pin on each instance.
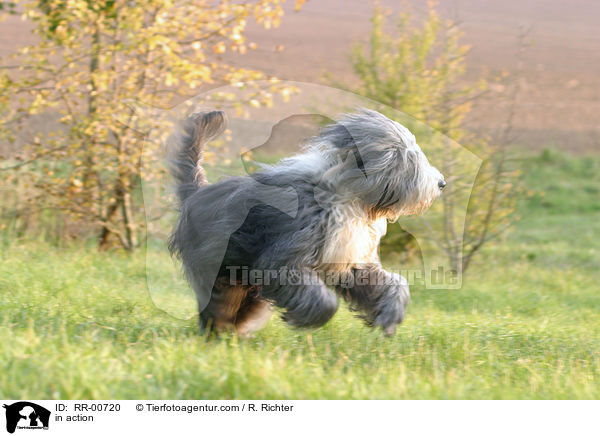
(376, 160)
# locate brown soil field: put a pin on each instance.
(560, 98)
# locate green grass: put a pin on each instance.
(525, 325)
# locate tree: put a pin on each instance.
(419, 69)
(94, 59)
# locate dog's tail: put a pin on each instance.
(186, 161)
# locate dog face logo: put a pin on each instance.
(26, 415)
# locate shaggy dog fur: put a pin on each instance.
(323, 210)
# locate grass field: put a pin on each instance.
(78, 324)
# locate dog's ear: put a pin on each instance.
(344, 142)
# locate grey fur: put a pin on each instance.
(319, 210)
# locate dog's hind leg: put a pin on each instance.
(253, 315)
(221, 311)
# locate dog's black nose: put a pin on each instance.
(442, 184)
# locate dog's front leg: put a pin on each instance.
(306, 301)
(380, 296)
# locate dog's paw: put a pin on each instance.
(310, 306)
(392, 306)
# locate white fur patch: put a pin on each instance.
(353, 240)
